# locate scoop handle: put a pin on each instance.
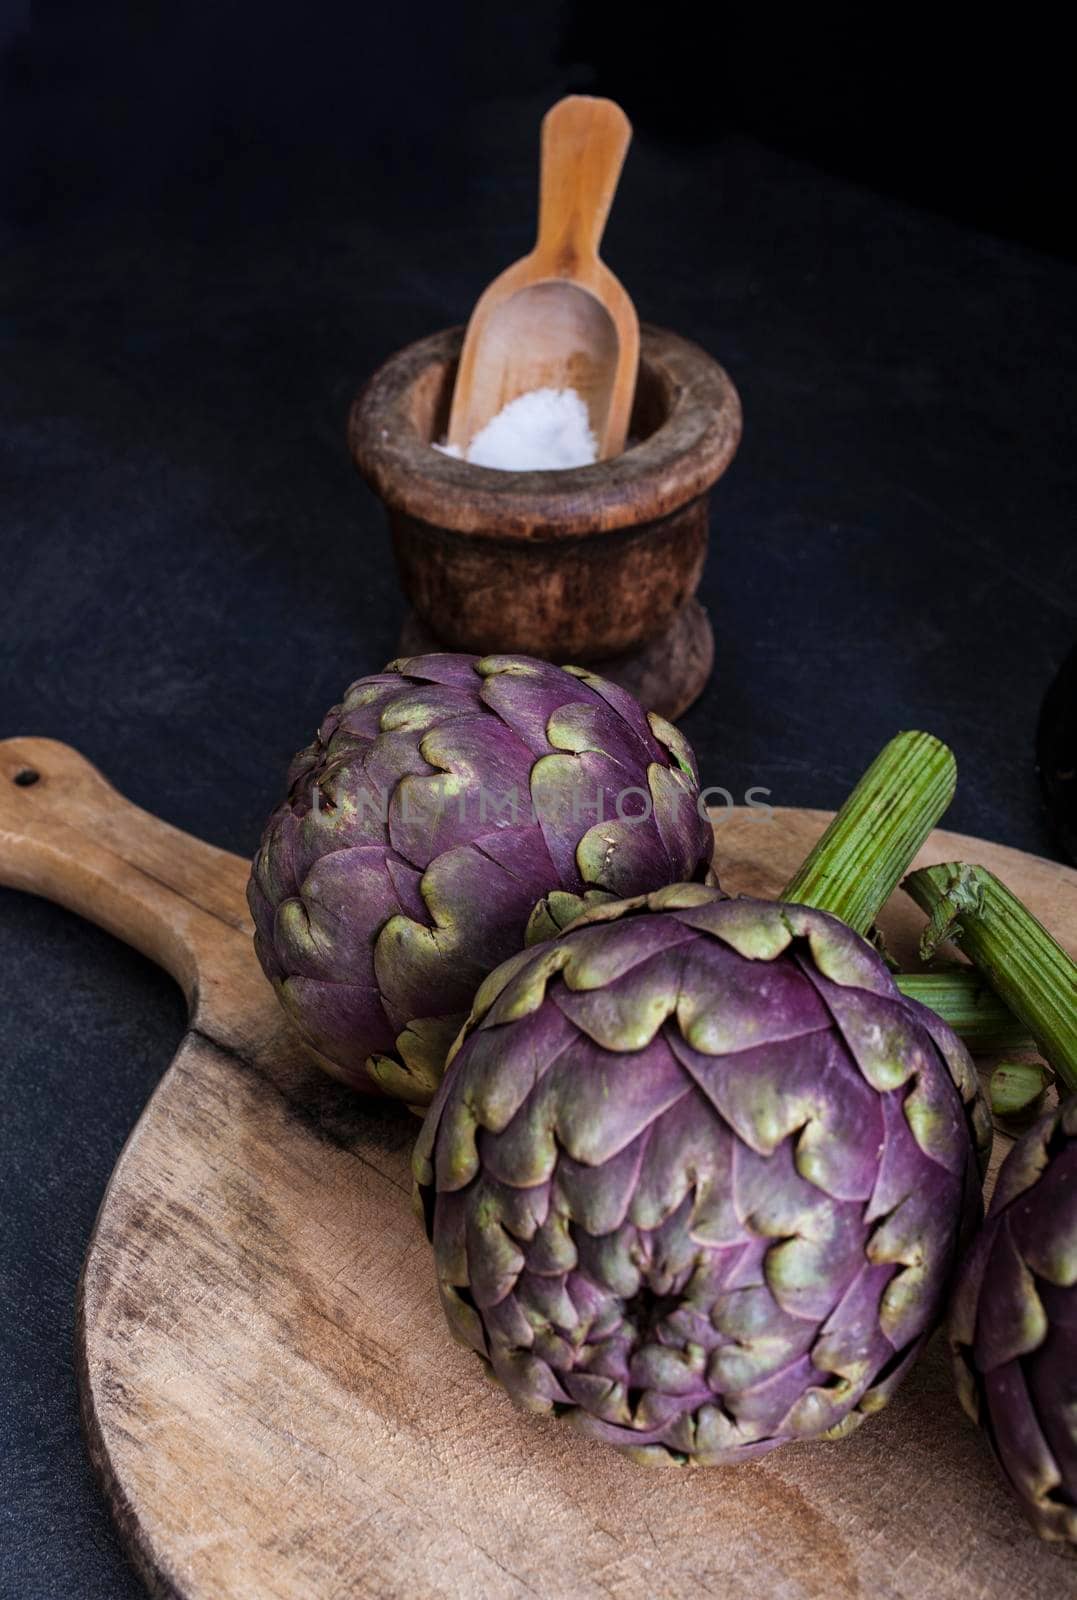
(66, 833)
(584, 142)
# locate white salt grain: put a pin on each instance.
(536, 432)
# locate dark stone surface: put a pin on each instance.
(1056, 755)
(191, 571)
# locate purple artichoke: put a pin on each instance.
(442, 805)
(1013, 1323)
(697, 1173)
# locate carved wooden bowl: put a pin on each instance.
(594, 565)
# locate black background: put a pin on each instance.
(217, 220)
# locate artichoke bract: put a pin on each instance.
(1013, 1321)
(697, 1173)
(444, 804)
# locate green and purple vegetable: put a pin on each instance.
(441, 802)
(1013, 1322)
(698, 1173)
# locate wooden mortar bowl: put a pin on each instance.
(593, 565)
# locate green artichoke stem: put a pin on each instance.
(1026, 968)
(1017, 1089)
(858, 862)
(972, 1009)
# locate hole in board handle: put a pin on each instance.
(26, 777)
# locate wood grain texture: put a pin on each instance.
(272, 1402)
(574, 565)
(558, 318)
(687, 423)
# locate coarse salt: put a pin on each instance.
(536, 432)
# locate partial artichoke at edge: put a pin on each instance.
(1013, 1323)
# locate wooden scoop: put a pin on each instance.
(559, 319)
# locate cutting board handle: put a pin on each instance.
(65, 833)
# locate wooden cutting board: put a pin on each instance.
(272, 1402)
